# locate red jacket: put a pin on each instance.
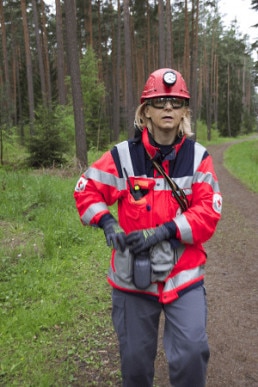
(191, 167)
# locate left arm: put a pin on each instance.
(198, 223)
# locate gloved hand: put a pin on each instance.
(114, 234)
(141, 240)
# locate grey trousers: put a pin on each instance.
(136, 321)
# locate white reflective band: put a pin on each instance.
(106, 178)
(201, 177)
(184, 182)
(183, 277)
(125, 158)
(199, 151)
(184, 228)
(93, 210)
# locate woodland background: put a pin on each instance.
(70, 79)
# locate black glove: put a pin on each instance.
(139, 241)
(114, 234)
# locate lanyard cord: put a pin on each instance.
(180, 197)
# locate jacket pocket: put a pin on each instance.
(135, 205)
(122, 265)
(162, 258)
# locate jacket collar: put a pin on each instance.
(153, 150)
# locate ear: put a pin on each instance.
(147, 111)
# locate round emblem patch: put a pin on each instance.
(217, 203)
(81, 184)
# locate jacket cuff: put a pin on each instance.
(171, 227)
(104, 219)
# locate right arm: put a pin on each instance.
(97, 189)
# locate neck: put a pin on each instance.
(164, 137)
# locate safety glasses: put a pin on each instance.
(160, 102)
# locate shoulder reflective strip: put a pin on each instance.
(185, 229)
(105, 178)
(93, 210)
(125, 158)
(183, 182)
(200, 177)
(199, 151)
(183, 277)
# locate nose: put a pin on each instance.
(168, 105)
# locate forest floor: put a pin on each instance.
(232, 294)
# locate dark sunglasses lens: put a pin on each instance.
(177, 103)
(159, 103)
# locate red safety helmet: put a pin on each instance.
(165, 83)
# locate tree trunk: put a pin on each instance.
(186, 47)
(99, 47)
(169, 35)
(117, 77)
(129, 72)
(7, 100)
(228, 103)
(194, 55)
(161, 35)
(148, 39)
(28, 66)
(216, 89)
(61, 88)
(90, 24)
(74, 67)
(40, 54)
(45, 53)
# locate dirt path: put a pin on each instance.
(231, 283)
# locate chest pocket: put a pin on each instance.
(135, 206)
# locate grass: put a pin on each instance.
(54, 299)
(242, 161)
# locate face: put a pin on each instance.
(166, 119)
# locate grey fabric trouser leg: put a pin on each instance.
(136, 321)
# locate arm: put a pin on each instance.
(198, 223)
(96, 190)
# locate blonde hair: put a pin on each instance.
(184, 127)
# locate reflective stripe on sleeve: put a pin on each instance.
(184, 228)
(106, 178)
(93, 210)
(201, 177)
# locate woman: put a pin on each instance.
(169, 204)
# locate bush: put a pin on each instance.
(46, 147)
